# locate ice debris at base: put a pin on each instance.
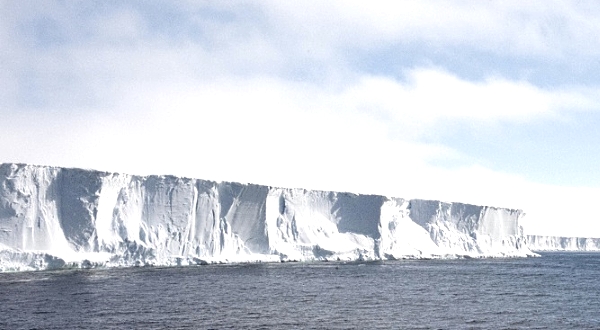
(557, 243)
(57, 217)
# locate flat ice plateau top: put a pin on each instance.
(57, 217)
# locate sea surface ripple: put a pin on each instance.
(556, 291)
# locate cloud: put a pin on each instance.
(274, 126)
(541, 28)
(80, 59)
(430, 96)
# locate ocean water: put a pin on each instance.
(556, 291)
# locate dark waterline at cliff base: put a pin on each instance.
(559, 290)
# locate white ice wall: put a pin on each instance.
(461, 227)
(557, 243)
(29, 209)
(117, 219)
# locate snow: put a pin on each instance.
(55, 217)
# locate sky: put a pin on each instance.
(485, 102)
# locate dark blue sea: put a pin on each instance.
(556, 291)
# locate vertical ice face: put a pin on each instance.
(245, 212)
(464, 228)
(400, 235)
(79, 192)
(557, 243)
(183, 218)
(166, 220)
(318, 224)
(358, 214)
(30, 208)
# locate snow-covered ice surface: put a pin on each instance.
(558, 243)
(57, 217)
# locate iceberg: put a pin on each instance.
(52, 217)
(559, 243)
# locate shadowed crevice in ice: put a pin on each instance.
(76, 192)
(358, 213)
(250, 204)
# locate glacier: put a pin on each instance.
(560, 243)
(52, 217)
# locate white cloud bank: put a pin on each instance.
(533, 28)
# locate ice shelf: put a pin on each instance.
(558, 243)
(53, 217)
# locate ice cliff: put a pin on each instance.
(57, 217)
(558, 243)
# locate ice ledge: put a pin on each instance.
(16, 261)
